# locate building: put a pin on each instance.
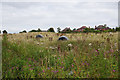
(66, 30)
(102, 28)
(81, 29)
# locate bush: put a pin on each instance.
(23, 31)
(4, 32)
(50, 30)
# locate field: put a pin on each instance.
(82, 56)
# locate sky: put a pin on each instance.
(19, 16)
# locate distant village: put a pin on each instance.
(83, 29)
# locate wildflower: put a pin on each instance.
(113, 70)
(30, 69)
(88, 64)
(112, 50)
(12, 67)
(82, 63)
(41, 43)
(52, 48)
(70, 73)
(90, 44)
(72, 65)
(43, 71)
(16, 67)
(29, 65)
(48, 68)
(70, 45)
(37, 43)
(105, 58)
(62, 62)
(29, 59)
(115, 44)
(61, 67)
(57, 71)
(96, 50)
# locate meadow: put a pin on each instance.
(82, 56)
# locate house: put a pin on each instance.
(80, 29)
(102, 28)
(66, 29)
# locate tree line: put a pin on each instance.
(69, 31)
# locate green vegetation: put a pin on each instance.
(58, 29)
(4, 32)
(35, 30)
(50, 30)
(23, 31)
(83, 56)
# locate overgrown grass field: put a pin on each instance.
(82, 56)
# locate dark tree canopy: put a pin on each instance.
(58, 29)
(4, 32)
(118, 28)
(51, 30)
(39, 30)
(74, 29)
(24, 31)
(33, 31)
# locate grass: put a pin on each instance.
(83, 56)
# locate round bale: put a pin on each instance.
(63, 38)
(39, 36)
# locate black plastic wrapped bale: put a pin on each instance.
(63, 38)
(39, 36)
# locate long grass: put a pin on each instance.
(82, 56)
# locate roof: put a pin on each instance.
(66, 29)
(83, 27)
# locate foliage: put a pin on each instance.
(58, 29)
(118, 28)
(4, 32)
(39, 30)
(50, 30)
(74, 29)
(24, 31)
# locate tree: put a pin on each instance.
(23, 31)
(58, 29)
(38, 30)
(33, 31)
(117, 28)
(50, 30)
(4, 32)
(74, 29)
(105, 25)
(86, 30)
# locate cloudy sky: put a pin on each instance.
(18, 16)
